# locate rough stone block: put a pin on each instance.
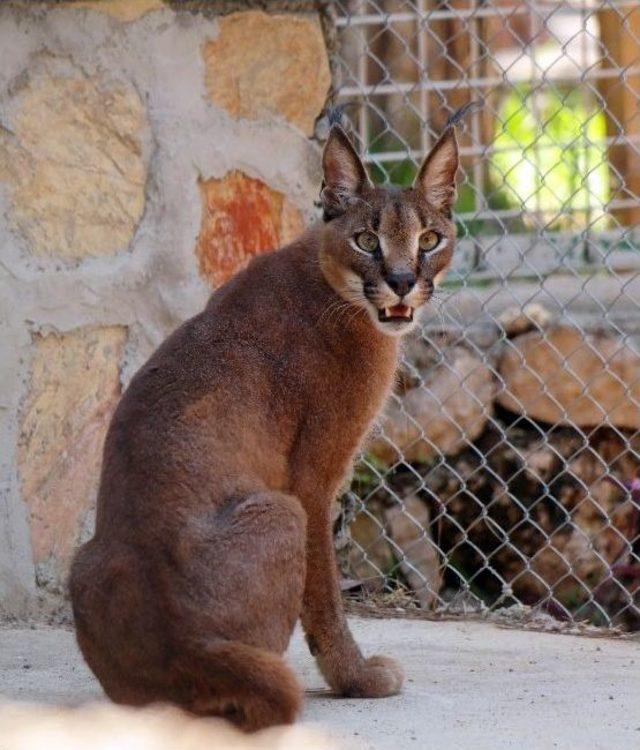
(241, 217)
(448, 408)
(409, 527)
(567, 376)
(122, 10)
(73, 165)
(370, 555)
(74, 387)
(262, 65)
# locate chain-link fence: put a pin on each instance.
(505, 470)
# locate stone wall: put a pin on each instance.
(147, 151)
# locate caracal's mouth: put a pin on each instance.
(396, 314)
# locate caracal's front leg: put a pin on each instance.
(326, 627)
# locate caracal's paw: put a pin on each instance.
(378, 678)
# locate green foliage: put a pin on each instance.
(549, 161)
(398, 173)
(550, 156)
(495, 198)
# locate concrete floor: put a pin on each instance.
(469, 685)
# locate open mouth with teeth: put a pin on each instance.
(396, 314)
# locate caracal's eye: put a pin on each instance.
(428, 240)
(367, 241)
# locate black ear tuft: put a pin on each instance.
(459, 115)
(335, 116)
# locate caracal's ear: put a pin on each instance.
(436, 180)
(344, 173)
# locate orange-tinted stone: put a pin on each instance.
(241, 217)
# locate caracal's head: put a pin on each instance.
(385, 249)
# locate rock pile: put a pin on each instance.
(507, 474)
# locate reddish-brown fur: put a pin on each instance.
(223, 458)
